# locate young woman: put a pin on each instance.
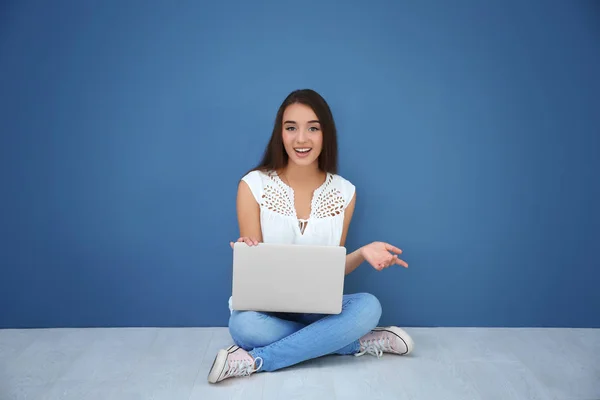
(295, 196)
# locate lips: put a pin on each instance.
(303, 151)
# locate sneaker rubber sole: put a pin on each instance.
(219, 364)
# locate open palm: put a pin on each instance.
(382, 255)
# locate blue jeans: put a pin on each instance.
(285, 339)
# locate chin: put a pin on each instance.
(304, 162)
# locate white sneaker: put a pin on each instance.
(232, 362)
(390, 339)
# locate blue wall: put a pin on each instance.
(471, 130)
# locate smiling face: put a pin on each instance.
(301, 134)
(304, 133)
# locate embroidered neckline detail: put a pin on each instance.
(278, 197)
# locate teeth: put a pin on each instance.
(303, 150)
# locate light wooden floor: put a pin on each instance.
(448, 363)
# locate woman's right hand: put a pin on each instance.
(248, 240)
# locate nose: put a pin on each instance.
(302, 136)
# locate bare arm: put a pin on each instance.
(248, 214)
(354, 259)
(377, 253)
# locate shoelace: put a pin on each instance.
(242, 367)
(375, 347)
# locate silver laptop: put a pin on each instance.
(288, 278)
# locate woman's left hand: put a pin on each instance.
(379, 255)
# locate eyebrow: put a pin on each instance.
(310, 122)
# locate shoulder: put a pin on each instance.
(256, 180)
(345, 187)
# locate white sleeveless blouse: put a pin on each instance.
(279, 222)
(278, 218)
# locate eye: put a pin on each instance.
(290, 128)
(313, 129)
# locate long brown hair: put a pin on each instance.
(275, 157)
